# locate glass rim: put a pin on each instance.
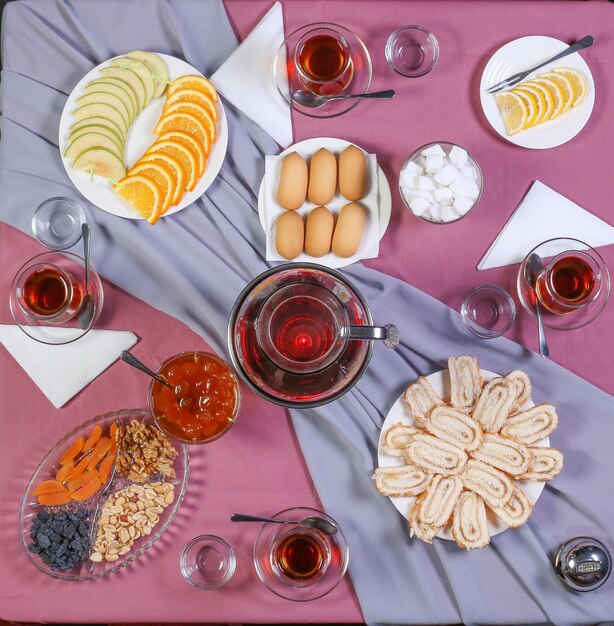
(299, 46)
(485, 333)
(230, 553)
(67, 200)
(388, 50)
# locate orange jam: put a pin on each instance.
(204, 401)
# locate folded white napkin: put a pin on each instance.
(246, 78)
(62, 371)
(541, 215)
(369, 248)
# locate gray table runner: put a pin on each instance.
(193, 266)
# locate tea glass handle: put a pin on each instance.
(389, 334)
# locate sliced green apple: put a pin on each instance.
(106, 98)
(115, 90)
(131, 79)
(101, 162)
(91, 140)
(99, 121)
(141, 70)
(100, 109)
(96, 129)
(157, 67)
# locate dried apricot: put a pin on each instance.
(78, 469)
(105, 467)
(113, 431)
(72, 452)
(64, 471)
(102, 447)
(54, 499)
(91, 441)
(82, 480)
(49, 486)
(88, 490)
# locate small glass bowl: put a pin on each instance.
(488, 311)
(412, 51)
(446, 147)
(208, 562)
(57, 222)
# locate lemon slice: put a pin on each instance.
(531, 104)
(577, 82)
(540, 101)
(548, 102)
(565, 86)
(514, 111)
(557, 95)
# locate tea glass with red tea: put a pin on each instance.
(323, 60)
(571, 281)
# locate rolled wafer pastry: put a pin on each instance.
(495, 404)
(425, 532)
(434, 455)
(439, 500)
(404, 480)
(523, 387)
(492, 484)
(504, 454)
(545, 464)
(397, 438)
(470, 525)
(516, 511)
(455, 427)
(531, 425)
(421, 398)
(465, 381)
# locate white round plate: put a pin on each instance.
(140, 137)
(440, 381)
(519, 55)
(309, 147)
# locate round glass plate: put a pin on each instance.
(66, 332)
(399, 412)
(287, 79)
(300, 591)
(576, 319)
(47, 469)
(140, 136)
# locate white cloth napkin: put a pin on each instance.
(62, 371)
(541, 215)
(369, 247)
(246, 78)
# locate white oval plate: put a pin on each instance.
(440, 381)
(140, 137)
(310, 146)
(519, 55)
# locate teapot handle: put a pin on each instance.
(389, 334)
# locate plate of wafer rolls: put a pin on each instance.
(464, 453)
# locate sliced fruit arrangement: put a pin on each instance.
(174, 163)
(108, 107)
(84, 467)
(540, 99)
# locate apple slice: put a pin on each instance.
(100, 109)
(101, 162)
(77, 127)
(131, 79)
(118, 91)
(158, 69)
(141, 70)
(91, 140)
(98, 130)
(106, 98)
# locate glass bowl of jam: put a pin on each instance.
(203, 402)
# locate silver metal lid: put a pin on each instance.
(583, 564)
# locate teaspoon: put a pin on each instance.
(313, 521)
(309, 99)
(534, 267)
(128, 357)
(88, 306)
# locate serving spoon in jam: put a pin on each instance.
(313, 521)
(128, 357)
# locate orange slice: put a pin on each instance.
(201, 113)
(191, 142)
(182, 121)
(199, 83)
(186, 156)
(172, 164)
(192, 95)
(143, 194)
(163, 177)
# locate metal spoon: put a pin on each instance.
(309, 99)
(128, 357)
(534, 268)
(389, 334)
(88, 306)
(313, 521)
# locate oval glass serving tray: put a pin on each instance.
(47, 470)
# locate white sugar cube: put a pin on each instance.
(462, 204)
(458, 156)
(410, 194)
(413, 167)
(448, 213)
(436, 149)
(419, 205)
(426, 183)
(469, 171)
(436, 211)
(434, 163)
(464, 186)
(446, 175)
(421, 161)
(427, 215)
(444, 196)
(408, 179)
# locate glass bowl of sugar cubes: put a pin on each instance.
(440, 182)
